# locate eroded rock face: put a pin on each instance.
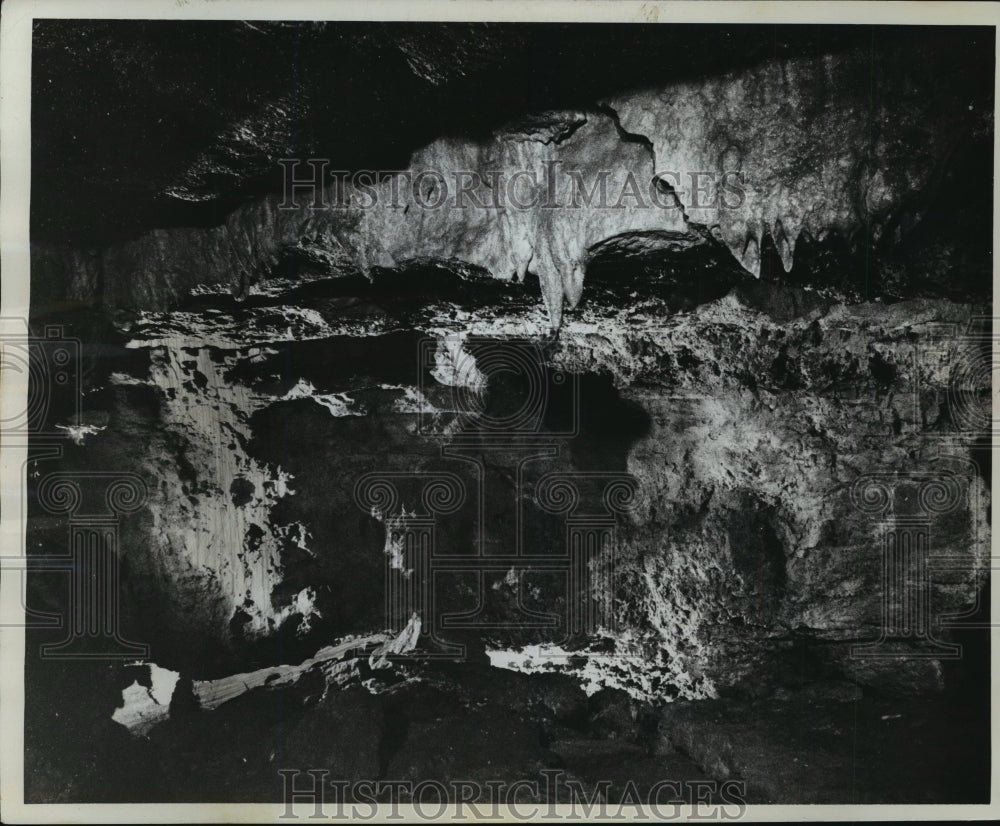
(711, 382)
(814, 160)
(775, 154)
(746, 425)
(524, 199)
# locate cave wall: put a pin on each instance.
(780, 377)
(745, 423)
(847, 149)
(719, 341)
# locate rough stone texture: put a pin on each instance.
(552, 238)
(723, 560)
(815, 742)
(483, 227)
(252, 363)
(815, 160)
(807, 750)
(820, 162)
(204, 110)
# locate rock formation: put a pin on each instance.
(724, 314)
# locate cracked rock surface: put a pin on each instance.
(745, 403)
(771, 155)
(722, 563)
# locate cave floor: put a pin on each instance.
(822, 742)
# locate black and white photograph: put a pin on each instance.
(474, 412)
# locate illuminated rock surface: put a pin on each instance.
(736, 367)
